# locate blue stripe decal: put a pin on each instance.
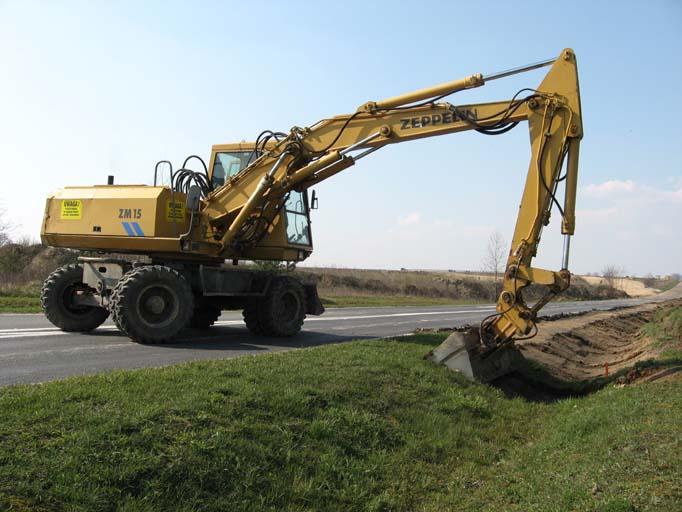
(128, 229)
(137, 228)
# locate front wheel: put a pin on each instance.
(58, 300)
(151, 304)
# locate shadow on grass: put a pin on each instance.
(429, 340)
(532, 382)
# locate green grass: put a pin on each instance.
(668, 285)
(347, 301)
(367, 425)
(20, 304)
(20, 298)
(666, 330)
(31, 304)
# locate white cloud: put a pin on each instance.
(611, 187)
(411, 219)
(631, 191)
(675, 181)
(596, 213)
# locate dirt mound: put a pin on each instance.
(594, 345)
(23, 264)
(632, 287)
(433, 284)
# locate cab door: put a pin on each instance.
(297, 219)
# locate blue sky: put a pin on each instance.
(94, 88)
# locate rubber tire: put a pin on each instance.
(52, 300)
(124, 308)
(252, 318)
(264, 317)
(204, 317)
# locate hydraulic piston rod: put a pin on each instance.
(520, 69)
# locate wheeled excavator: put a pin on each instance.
(164, 257)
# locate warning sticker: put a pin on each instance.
(72, 209)
(175, 210)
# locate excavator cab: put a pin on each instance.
(227, 160)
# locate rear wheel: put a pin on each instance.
(252, 318)
(152, 304)
(281, 312)
(58, 299)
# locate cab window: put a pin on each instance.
(228, 164)
(297, 221)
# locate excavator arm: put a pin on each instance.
(240, 212)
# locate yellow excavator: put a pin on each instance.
(158, 254)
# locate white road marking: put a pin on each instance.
(393, 315)
(30, 334)
(51, 331)
(54, 331)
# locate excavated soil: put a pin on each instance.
(579, 354)
(586, 347)
(576, 354)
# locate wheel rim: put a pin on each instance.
(157, 305)
(288, 307)
(68, 296)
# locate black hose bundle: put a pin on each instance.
(184, 178)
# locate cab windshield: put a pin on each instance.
(227, 165)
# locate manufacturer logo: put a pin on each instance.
(425, 121)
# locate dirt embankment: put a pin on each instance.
(434, 284)
(632, 287)
(596, 345)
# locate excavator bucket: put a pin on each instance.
(463, 352)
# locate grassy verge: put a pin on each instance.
(20, 298)
(347, 301)
(366, 425)
(668, 285)
(31, 304)
(20, 304)
(666, 330)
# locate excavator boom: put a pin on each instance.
(308, 156)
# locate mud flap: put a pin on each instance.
(463, 352)
(312, 299)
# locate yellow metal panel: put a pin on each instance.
(126, 212)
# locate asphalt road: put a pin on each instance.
(33, 350)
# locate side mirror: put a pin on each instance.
(313, 201)
(193, 197)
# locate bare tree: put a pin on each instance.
(494, 259)
(612, 274)
(5, 227)
(649, 280)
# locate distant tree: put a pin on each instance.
(612, 274)
(649, 280)
(676, 277)
(5, 228)
(494, 259)
(270, 265)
